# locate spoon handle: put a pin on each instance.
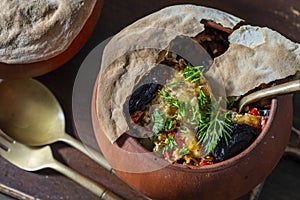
(85, 182)
(91, 153)
(277, 90)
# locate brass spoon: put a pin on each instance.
(31, 114)
(274, 91)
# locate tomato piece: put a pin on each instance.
(253, 111)
(263, 122)
(204, 163)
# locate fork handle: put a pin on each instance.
(85, 182)
(91, 153)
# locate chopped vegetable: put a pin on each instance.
(254, 111)
(190, 125)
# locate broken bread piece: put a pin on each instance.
(255, 56)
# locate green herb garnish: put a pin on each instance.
(158, 120)
(217, 126)
(193, 73)
(169, 123)
(160, 123)
(169, 99)
(184, 151)
(174, 84)
(170, 143)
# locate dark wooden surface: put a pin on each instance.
(281, 15)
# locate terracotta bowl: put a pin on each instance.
(226, 180)
(14, 71)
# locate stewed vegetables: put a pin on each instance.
(187, 124)
(184, 120)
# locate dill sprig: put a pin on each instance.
(184, 151)
(168, 98)
(218, 126)
(170, 142)
(158, 121)
(169, 123)
(193, 73)
(173, 102)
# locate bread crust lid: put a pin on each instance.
(36, 30)
(133, 52)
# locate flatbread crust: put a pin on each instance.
(134, 51)
(37, 30)
(256, 55)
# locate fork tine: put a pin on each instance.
(6, 136)
(3, 149)
(5, 140)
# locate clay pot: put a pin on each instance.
(226, 180)
(28, 70)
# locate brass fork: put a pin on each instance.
(37, 158)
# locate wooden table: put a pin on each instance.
(281, 15)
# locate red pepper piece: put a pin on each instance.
(253, 111)
(136, 116)
(263, 122)
(204, 163)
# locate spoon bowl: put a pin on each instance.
(31, 114)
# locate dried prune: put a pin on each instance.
(142, 96)
(242, 136)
